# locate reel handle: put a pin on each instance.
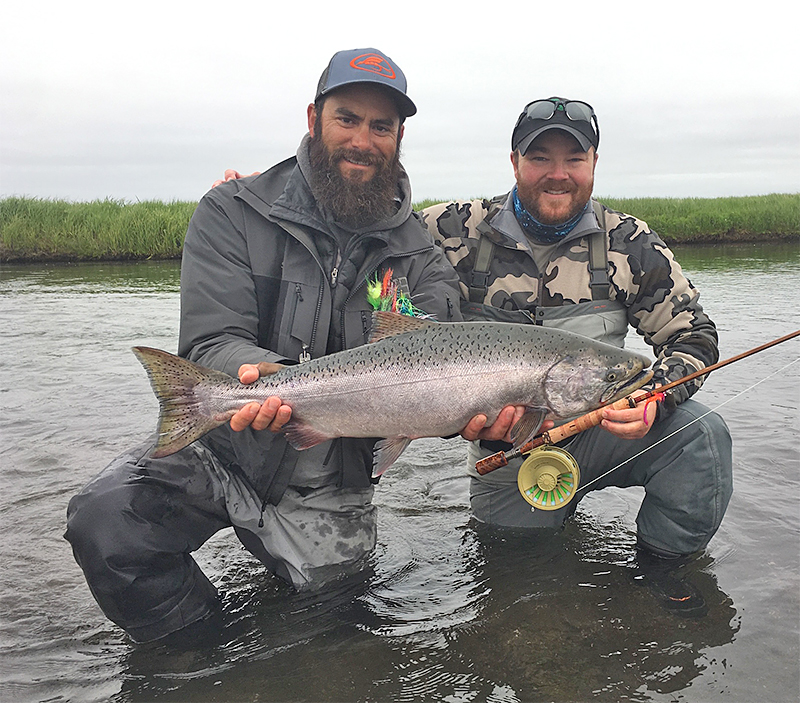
(568, 429)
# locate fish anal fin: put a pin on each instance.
(302, 436)
(528, 425)
(386, 453)
(389, 324)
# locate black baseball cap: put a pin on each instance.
(572, 116)
(366, 66)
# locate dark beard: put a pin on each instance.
(353, 204)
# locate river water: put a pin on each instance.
(445, 612)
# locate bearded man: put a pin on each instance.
(274, 272)
(547, 253)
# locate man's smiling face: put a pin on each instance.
(360, 128)
(354, 154)
(555, 177)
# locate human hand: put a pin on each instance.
(500, 428)
(231, 175)
(272, 414)
(630, 423)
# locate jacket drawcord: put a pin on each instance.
(263, 508)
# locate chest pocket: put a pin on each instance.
(602, 320)
(299, 326)
(479, 312)
(298, 314)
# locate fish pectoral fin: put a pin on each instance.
(388, 324)
(302, 436)
(386, 453)
(527, 426)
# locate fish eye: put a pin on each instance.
(611, 376)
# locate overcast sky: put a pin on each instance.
(153, 100)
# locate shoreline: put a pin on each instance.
(35, 230)
(699, 241)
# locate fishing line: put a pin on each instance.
(663, 439)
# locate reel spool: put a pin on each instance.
(548, 478)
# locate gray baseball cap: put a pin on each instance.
(572, 116)
(366, 66)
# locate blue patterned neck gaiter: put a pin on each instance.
(547, 234)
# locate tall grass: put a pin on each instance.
(37, 229)
(34, 229)
(775, 216)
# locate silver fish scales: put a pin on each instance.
(416, 378)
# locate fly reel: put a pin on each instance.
(548, 478)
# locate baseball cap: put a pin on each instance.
(366, 66)
(573, 116)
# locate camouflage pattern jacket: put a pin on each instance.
(550, 284)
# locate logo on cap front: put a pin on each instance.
(374, 63)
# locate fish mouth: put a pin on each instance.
(624, 388)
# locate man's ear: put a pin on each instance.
(312, 118)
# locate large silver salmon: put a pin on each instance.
(417, 378)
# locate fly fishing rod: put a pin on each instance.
(550, 480)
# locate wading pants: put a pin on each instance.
(687, 480)
(133, 528)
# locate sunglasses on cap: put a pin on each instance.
(574, 110)
(545, 109)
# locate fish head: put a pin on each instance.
(579, 383)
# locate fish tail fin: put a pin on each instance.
(183, 415)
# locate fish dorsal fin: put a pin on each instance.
(528, 425)
(388, 324)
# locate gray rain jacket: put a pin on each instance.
(263, 279)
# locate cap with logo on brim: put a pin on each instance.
(366, 66)
(528, 129)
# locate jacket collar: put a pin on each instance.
(283, 193)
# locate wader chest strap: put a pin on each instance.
(479, 283)
(598, 256)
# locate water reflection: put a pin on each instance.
(100, 277)
(571, 622)
(447, 610)
(730, 257)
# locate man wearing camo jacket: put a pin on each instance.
(547, 253)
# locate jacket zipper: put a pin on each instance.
(306, 354)
(298, 296)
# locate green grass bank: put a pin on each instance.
(34, 229)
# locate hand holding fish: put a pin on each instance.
(501, 428)
(272, 414)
